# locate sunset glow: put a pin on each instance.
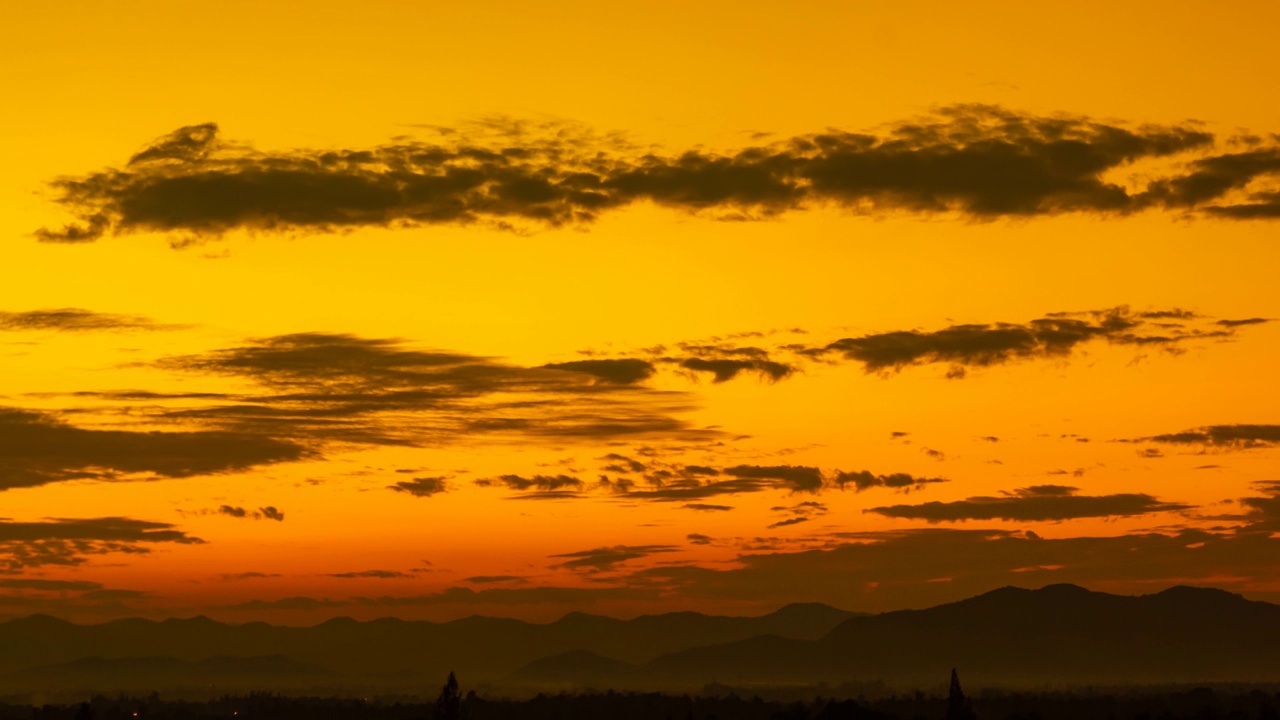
(413, 309)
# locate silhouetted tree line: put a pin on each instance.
(452, 704)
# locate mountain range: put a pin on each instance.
(1057, 635)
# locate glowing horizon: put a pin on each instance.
(308, 314)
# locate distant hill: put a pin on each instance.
(1057, 635)
(1060, 634)
(392, 653)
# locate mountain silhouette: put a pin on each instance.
(392, 653)
(1012, 636)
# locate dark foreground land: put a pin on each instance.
(1202, 703)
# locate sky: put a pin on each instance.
(440, 309)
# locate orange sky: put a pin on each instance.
(430, 324)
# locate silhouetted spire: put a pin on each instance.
(958, 707)
(449, 704)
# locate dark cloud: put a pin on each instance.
(249, 576)
(311, 391)
(724, 370)
(1243, 321)
(264, 513)
(1209, 184)
(105, 529)
(622, 464)
(75, 320)
(1263, 512)
(606, 559)
(699, 539)
(190, 142)
(976, 161)
(700, 470)
(71, 541)
(343, 388)
(547, 495)
(691, 483)
(536, 482)
(37, 448)
(792, 477)
(985, 345)
(788, 521)
(696, 490)
(134, 395)
(422, 487)
(1171, 314)
(307, 360)
(203, 186)
(1229, 437)
(1032, 504)
(624, 371)
(289, 603)
(808, 507)
(492, 579)
(370, 575)
(865, 480)
(724, 361)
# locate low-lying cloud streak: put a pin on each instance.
(71, 541)
(606, 559)
(963, 347)
(1222, 437)
(673, 482)
(341, 387)
(305, 393)
(976, 161)
(269, 512)
(36, 448)
(1039, 503)
(75, 320)
(983, 345)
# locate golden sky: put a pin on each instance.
(431, 309)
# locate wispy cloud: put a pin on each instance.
(1223, 437)
(422, 487)
(1038, 503)
(264, 513)
(72, 541)
(976, 161)
(75, 320)
(37, 448)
